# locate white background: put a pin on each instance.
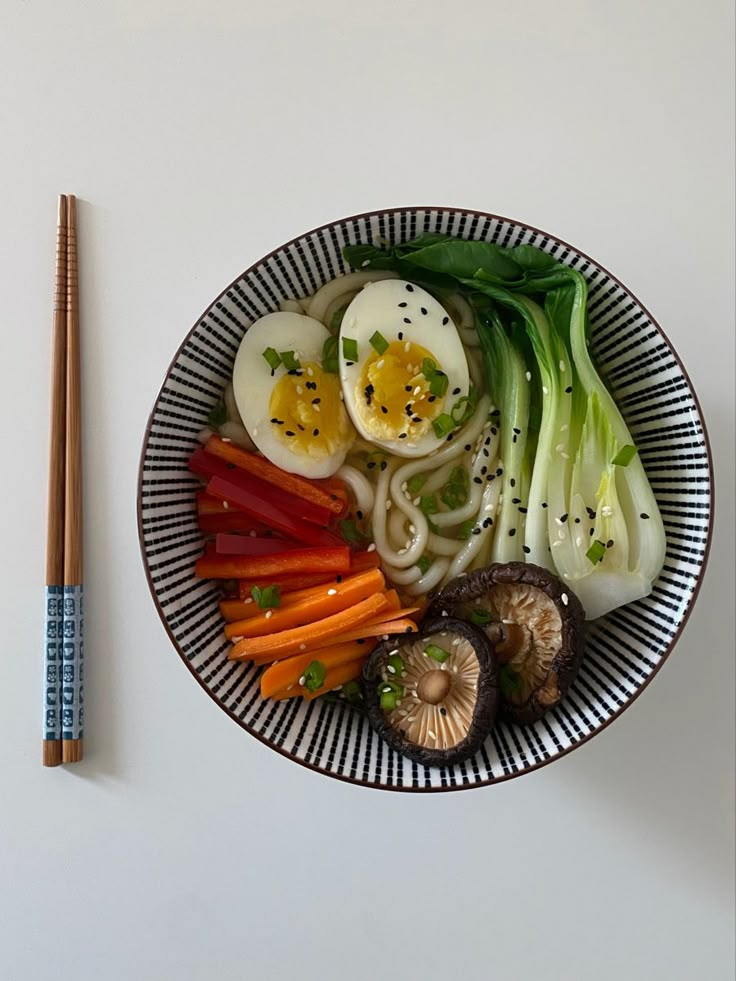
(199, 136)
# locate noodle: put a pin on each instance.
(402, 577)
(472, 546)
(430, 579)
(360, 486)
(337, 288)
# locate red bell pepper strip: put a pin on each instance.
(263, 509)
(336, 560)
(207, 465)
(251, 545)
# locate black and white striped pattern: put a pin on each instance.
(623, 650)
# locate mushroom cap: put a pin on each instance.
(545, 653)
(476, 724)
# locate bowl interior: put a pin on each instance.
(623, 650)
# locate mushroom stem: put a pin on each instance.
(434, 686)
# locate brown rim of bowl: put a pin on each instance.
(681, 626)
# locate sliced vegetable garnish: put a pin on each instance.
(395, 665)
(429, 368)
(330, 361)
(267, 598)
(389, 700)
(455, 492)
(596, 552)
(465, 406)
(349, 349)
(290, 360)
(624, 456)
(480, 617)
(334, 559)
(379, 342)
(314, 676)
(443, 425)
(466, 529)
(279, 677)
(438, 384)
(350, 531)
(414, 484)
(218, 414)
(273, 358)
(428, 504)
(509, 680)
(424, 562)
(436, 652)
(352, 693)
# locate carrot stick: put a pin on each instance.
(245, 607)
(324, 601)
(260, 467)
(336, 677)
(282, 676)
(286, 584)
(373, 629)
(263, 650)
(212, 566)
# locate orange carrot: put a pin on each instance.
(274, 647)
(286, 584)
(260, 467)
(336, 677)
(284, 676)
(373, 629)
(245, 608)
(335, 559)
(323, 602)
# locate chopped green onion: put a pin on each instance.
(442, 425)
(268, 597)
(509, 681)
(480, 617)
(414, 484)
(384, 687)
(424, 562)
(329, 356)
(455, 492)
(596, 552)
(429, 368)
(389, 701)
(466, 530)
(465, 406)
(428, 504)
(218, 414)
(438, 384)
(378, 342)
(349, 349)
(352, 693)
(396, 662)
(272, 357)
(624, 456)
(336, 319)
(290, 360)
(314, 676)
(350, 531)
(436, 652)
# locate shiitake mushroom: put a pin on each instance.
(535, 623)
(433, 695)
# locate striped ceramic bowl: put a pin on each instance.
(624, 650)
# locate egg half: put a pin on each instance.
(291, 407)
(402, 367)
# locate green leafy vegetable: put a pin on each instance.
(267, 598)
(349, 349)
(437, 653)
(428, 504)
(624, 456)
(272, 357)
(352, 693)
(378, 343)
(314, 676)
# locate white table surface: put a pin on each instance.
(198, 136)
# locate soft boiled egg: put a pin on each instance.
(291, 407)
(402, 367)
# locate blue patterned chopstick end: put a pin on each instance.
(72, 709)
(52, 664)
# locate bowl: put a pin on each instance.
(624, 650)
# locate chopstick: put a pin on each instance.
(54, 621)
(63, 712)
(71, 691)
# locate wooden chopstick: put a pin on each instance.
(52, 747)
(71, 688)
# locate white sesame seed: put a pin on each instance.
(563, 366)
(564, 428)
(407, 348)
(401, 551)
(225, 505)
(249, 600)
(390, 668)
(412, 529)
(310, 372)
(269, 614)
(252, 533)
(316, 408)
(331, 592)
(606, 511)
(417, 390)
(384, 637)
(579, 541)
(528, 376)
(254, 433)
(371, 547)
(388, 505)
(236, 640)
(404, 486)
(565, 456)
(562, 534)
(380, 364)
(559, 522)
(302, 680)
(556, 544)
(299, 390)
(366, 262)
(560, 447)
(565, 599)
(302, 647)
(353, 320)
(431, 735)
(416, 501)
(289, 687)
(226, 439)
(545, 389)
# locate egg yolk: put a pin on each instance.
(393, 396)
(307, 412)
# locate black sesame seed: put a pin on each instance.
(362, 640)
(407, 320)
(527, 550)
(609, 543)
(490, 476)
(423, 310)
(275, 421)
(300, 427)
(516, 500)
(431, 398)
(273, 372)
(445, 320)
(568, 389)
(316, 401)
(523, 510)
(450, 438)
(409, 288)
(315, 432)
(644, 515)
(371, 464)
(230, 466)
(476, 531)
(401, 335)
(290, 433)
(512, 482)
(544, 504)
(312, 386)
(563, 517)
(443, 710)
(359, 515)
(468, 447)
(517, 431)
(487, 522)
(384, 410)
(591, 513)
(477, 480)
(383, 464)
(512, 532)
(514, 439)
(338, 578)
(333, 497)
(408, 388)
(456, 391)
(590, 532)
(499, 472)
(496, 412)
(416, 418)
(402, 435)
(484, 471)
(486, 454)
(349, 364)
(494, 431)
(577, 521)
(403, 303)
(408, 630)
